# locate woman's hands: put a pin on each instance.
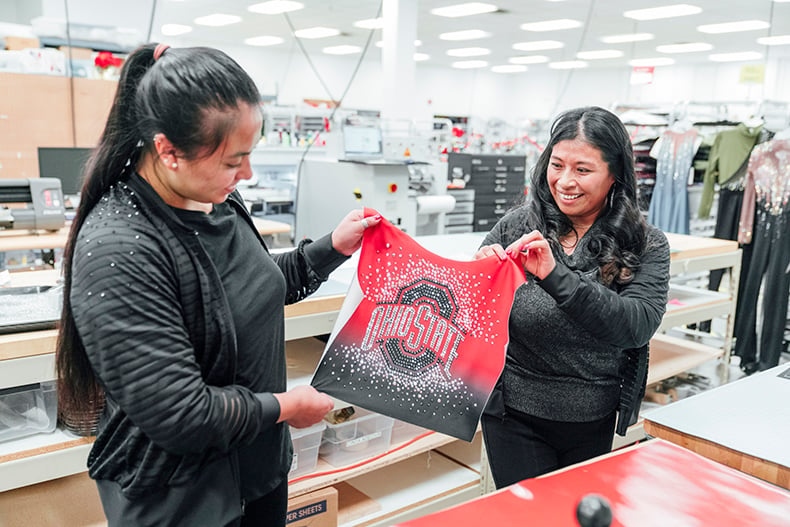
(347, 236)
(531, 250)
(303, 406)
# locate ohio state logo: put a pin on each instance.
(417, 333)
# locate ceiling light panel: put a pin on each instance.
(509, 68)
(776, 40)
(217, 20)
(733, 27)
(317, 32)
(467, 9)
(468, 34)
(669, 11)
(468, 52)
(736, 57)
(551, 25)
(632, 37)
(469, 64)
(568, 65)
(689, 47)
(654, 61)
(420, 57)
(529, 59)
(263, 40)
(599, 54)
(538, 45)
(171, 30)
(275, 7)
(380, 43)
(342, 50)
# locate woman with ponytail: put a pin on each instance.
(173, 324)
(597, 282)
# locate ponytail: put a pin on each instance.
(79, 391)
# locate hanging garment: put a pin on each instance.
(767, 186)
(419, 337)
(731, 148)
(669, 204)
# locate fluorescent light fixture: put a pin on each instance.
(468, 34)
(171, 30)
(263, 40)
(275, 7)
(776, 40)
(529, 59)
(469, 64)
(467, 9)
(317, 32)
(599, 54)
(419, 57)
(342, 50)
(632, 37)
(370, 23)
(468, 52)
(735, 57)
(667, 11)
(538, 45)
(551, 25)
(568, 65)
(655, 61)
(689, 47)
(509, 68)
(217, 20)
(733, 27)
(380, 43)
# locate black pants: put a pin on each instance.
(769, 263)
(728, 217)
(521, 446)
(267, 511)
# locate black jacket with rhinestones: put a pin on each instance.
(569, 333)
(145, 293)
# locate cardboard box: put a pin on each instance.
(21, 43)
(315, 509)
(76, 53)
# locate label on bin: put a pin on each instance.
(362, 439)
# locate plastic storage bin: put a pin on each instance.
(403, 431)
(27, 410)
(306, 442)
(366, 435)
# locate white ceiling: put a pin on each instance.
(600, 18)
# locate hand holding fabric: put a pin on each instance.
(534, 253)
(347, 236)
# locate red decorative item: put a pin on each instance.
(105, 59)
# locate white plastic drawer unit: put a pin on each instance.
(27, 410)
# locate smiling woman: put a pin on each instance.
(597, 282)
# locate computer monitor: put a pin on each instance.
(65, 164)
(363, 142)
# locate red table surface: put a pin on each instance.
(654, 484)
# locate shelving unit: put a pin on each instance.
(456, 471)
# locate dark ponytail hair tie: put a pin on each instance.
(160, 50)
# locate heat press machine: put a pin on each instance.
(32, 204)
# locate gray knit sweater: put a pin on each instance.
(568, 331)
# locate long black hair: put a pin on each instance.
(620, 237)
(192, 96)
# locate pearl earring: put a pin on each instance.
(174, 165)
